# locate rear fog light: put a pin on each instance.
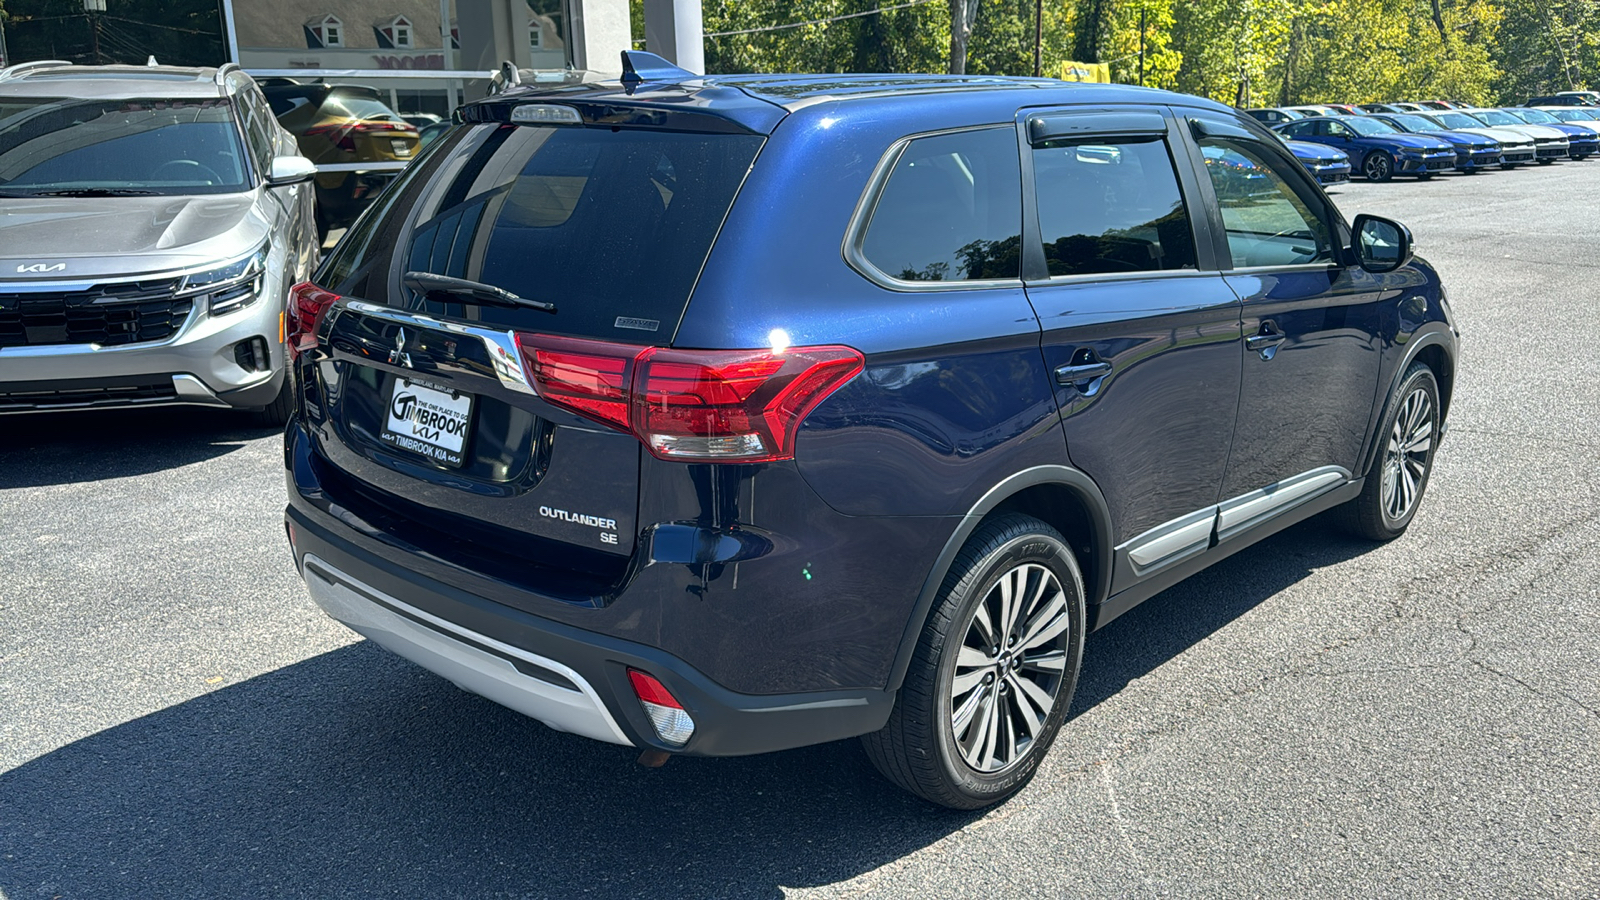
(671, 723)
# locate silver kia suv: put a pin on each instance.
(152, 219)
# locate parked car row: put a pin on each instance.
(1383, 140)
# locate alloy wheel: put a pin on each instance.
(1405, 462)
(1008, 670)
(1377, 167)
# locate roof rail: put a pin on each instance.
(21, 69)
(224, 70)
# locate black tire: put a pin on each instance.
(276, 414)
(917, 749)
(1508, 166)
(1373, 514)
(1377, 166)
(1424, 176)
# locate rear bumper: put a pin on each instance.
(570, 679)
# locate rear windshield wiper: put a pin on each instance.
(471, 291)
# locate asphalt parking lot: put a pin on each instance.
(1313, 717)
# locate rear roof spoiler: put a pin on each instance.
(21, 69)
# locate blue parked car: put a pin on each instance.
(1379, 151)
(1582, 140)
(1326, 164)
(718, 415)
(1474, 152)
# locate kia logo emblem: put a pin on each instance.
(41, 268)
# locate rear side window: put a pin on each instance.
(1111, 206)
(610, 225)
(951, 210)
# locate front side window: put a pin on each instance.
(1111, 205)
(951, 210)
(70, 146)
(1268, 222)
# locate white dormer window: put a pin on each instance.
(535, 36)
(395, 34)
(324, 31)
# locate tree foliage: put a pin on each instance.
(1250, 52)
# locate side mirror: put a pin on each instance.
(1381, 245)
(291, 170)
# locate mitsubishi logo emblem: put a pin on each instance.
(399, 356)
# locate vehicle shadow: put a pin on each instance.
(1176, 619)
(356, 774)
(65, 448)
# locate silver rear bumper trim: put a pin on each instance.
(472, 661)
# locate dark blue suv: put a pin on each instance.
(723, 415)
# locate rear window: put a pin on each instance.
(610, 225)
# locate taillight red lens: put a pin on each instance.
(744, 405)
(588, 377)
(307, 304)
(699, 405)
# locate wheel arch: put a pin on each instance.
(1435, 349)
(1062, 497)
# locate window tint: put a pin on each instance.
(1267, 222)
(951, 210)
(612, 226)
(1111, 206)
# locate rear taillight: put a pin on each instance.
(698, 405)
(307, 304)
(592, 378)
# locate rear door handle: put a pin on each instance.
(1266, 340)
(1079, 374)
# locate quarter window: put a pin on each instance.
(951, 210)
(1268, 222)
(1111, 205)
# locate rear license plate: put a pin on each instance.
(428, 421)
(401, 147)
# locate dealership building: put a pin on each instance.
(429, 55)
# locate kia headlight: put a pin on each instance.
(230, 287)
